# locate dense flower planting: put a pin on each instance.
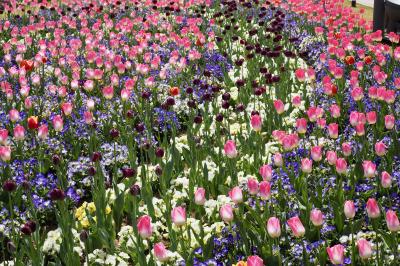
(197, 132)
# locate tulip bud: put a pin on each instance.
(230, 149)
(372, 207)
(200, 196)
(226, 213)
(144, 226)
(274, 227)
(178, 216)
(336, 254)
(316, 217)
(296, 226)
(252, 186)
(364, 248)
(386, 180)
(160, 252)
(265, 190)
(349, 209)
(236, 195)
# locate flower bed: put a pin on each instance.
(197, 133)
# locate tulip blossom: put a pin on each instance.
(5, 153)
(372, 207)
(333, 130)
(316, 217)
(380, 148)
(230, 149)
(266, 172)
(274, 227)
(178, 216)
(336, 254)
(386, 180)
(306, 165)
(3, 136)
(369, 169)
(392, 221)
(256, 122)
(316, 153)
(58, 123)
(364, 248)
(236, 195)
(277, 159)
(252, 186)
(43, 132)
(349, 209)
(144, 226)
(279, 106)
(160, 252)
(200, 196)
(265, 190)
(254, 261)
(296, 226)
(341, 166)
(19, 132)
(226, 213)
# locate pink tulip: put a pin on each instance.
(341, 166)
(364, 248)
(380, 148)
(252, 186)
(296, 226)
(300, 74)
(160, 252)
(108, 92)
(371, 117)
(19, 132)
(346, 149)
(301, 125)
(336, 254)
(254, 261)
(66, 108)
(335, 110)
(392, 221)
(3, 136)
(14, 115)
(265, 190)
(333, 130)
(274, 227)
(200, 196)
(5, 153)
(178, 216)
(278, 160)
(369, 169)
(306, 165)
(386, 180)
(236, 195)
(389, 122)
(372, 207)
(266, 172)
(226, 213)
(279, 106)
(144, 226)
(256, 122)
(296, 101)
(43, 132)
(349, 209)
(316, 217)
(58, 123)
(230, 149)
(316, 153)
(360, 130)
(331, 157)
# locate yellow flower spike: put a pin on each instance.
(108, 210)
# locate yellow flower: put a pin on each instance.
(108, 210)
(240, 263)
(85, 222)
(91, 207)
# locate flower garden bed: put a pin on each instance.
(197, 133)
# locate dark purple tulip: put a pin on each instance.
(9, 185)
(134, 190)
(128, 172)
(96, 156)
(57, 194)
